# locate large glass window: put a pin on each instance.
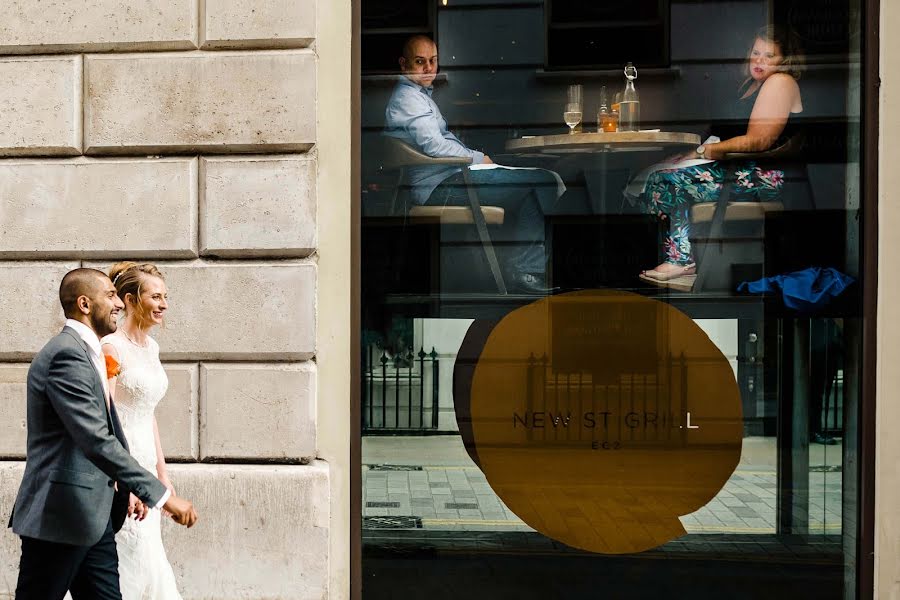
(611, 316)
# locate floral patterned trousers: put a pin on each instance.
(670, 193)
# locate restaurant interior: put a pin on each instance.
(777, 370)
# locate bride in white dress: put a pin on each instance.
(144, 570)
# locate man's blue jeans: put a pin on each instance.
(525, 194)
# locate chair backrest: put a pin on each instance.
(791, 150)
(397, 154)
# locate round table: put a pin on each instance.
(603, 144)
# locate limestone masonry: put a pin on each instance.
(181, 132)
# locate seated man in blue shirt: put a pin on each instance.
(526, 195)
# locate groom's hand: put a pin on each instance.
(182, 511)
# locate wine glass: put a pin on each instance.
(572, 116)
(573, 112)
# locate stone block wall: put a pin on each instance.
(183, 132)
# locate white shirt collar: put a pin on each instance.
(87, 334)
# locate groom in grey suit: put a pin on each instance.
(78, 473)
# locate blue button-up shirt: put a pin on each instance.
(413, 117)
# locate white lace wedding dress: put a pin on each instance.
(144, 570)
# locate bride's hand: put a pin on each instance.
(133, 502)
(137, 509)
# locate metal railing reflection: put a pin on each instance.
(400, 392)
(637, 408)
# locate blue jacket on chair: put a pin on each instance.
(804, 291)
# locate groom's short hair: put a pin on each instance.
(75, 283)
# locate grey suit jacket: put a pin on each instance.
(73, 457)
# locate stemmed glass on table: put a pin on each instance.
(573, 111)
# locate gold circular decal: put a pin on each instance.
(599, 417)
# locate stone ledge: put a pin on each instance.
(119, 208)
(209, 102)
(263, 531)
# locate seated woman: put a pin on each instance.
(770, 96)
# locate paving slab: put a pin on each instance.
(446, 477)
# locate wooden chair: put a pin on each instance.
(398, 156)
(736, 228)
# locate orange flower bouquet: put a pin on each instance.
(112, 366)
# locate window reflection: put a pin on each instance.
(734, 206)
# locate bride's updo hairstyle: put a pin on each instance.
(129, 277)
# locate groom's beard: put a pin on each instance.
(103, 326)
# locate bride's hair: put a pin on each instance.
(128, 277)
